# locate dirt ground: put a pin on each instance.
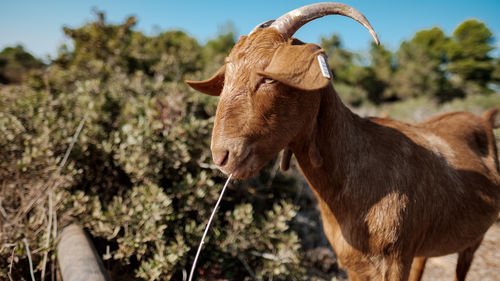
(485, 267)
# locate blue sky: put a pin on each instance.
(38, 24)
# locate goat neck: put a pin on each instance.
(336, 137)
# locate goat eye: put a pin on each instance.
(263, 81)
(268, 81)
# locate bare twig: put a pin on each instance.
(2, 210)
(29, 206)
(6, 245)
(208, 166)
(11, 262)
(73, 141)
(29, 259)
(54, 235)
(49, 232)
(267, 256)
(207, 227)
(247, 267)
(52, 269)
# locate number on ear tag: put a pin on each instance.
(324, 66)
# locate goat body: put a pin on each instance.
(390, 193)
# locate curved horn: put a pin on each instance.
(290, 22)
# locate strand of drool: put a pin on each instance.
(206, 229)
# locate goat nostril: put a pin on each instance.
(221, 158)
(224, 160)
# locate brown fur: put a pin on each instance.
(388, 191)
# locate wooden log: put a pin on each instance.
(77, 257)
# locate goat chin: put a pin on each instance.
(246, 166)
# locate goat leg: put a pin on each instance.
(465, 260)
(285, 160)
(417, 268)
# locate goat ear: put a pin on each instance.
(300, 66)
(212, 86)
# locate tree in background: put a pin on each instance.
(380, 73)
(420, 67)
(168, 55)
(216, 49)
(469, 57)
(430, 64)
(348, 74)
(495, 76)
(99, 40)
(15, 63)
(339, 59)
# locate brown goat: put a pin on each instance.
(390, 193)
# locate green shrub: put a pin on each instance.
(138, 178)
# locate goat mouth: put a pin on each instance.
(244, 169)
